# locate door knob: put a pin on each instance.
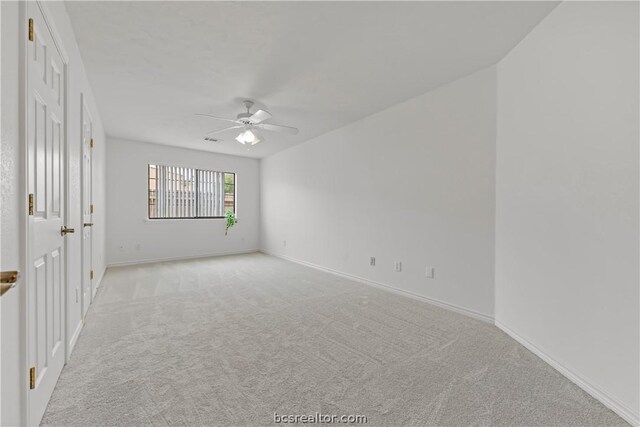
(8, 279)
(64, 230)
(88, 224)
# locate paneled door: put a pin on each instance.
(87, 209)
(46, 144)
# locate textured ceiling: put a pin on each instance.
(314, 65)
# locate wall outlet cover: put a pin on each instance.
(430, 272)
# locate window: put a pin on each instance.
(177, 192)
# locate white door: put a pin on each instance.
(87, 210)
(46, 186)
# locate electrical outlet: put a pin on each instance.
(398, 266)
(284, 243)
(430, 272)
(372, 261)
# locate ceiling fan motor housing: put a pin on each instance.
(244, 117)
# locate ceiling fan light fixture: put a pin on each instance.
(247, 137)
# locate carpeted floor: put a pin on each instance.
(233, 340)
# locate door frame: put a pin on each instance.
(84, 109)
(24, 10)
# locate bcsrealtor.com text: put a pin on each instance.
(318, 418)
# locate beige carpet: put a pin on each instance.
(233, 340)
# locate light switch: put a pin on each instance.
(430, 272)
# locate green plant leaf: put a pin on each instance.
(231, 220)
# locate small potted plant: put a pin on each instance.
(231, 220)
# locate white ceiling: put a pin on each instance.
(313, 65)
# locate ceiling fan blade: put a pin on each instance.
(217, 118)
(223, 130)
(260, 116)
(277, 128)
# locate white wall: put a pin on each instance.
(567, 195)
(11, 245)
(135, 238)
(13, 196)
(413, 183)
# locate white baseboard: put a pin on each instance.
(99, 281)
(76, 333)
(74, 339)
(389, 288)
(182, 258)
(610, 402)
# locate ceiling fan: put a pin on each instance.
(250, 125)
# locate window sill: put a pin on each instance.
(184, 219)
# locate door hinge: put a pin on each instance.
(91, 143)
(91, 209)
(91, 275)
(31, 29)
(30, 203)
(32, 378)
